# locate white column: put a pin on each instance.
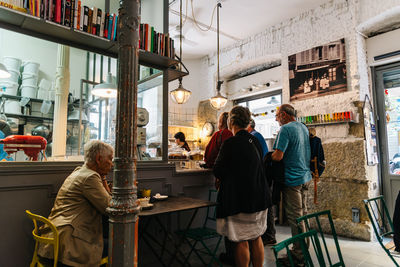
(61, 103)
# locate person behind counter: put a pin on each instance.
(80, 202)
(212, 148)
(243, 196)
(180, 140)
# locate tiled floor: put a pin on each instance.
(355, 253)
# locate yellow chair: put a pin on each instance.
(47, 240)
(54, 240)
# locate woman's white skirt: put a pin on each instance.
(243, 226)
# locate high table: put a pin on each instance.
(167, 207)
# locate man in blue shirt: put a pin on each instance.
(259, 136)
(292, 145)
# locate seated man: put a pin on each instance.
(82, 199)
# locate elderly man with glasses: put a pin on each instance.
(292, 145)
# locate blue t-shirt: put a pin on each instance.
(262, 142)
(293, 140)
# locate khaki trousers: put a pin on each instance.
(294, 202)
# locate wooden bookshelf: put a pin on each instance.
(37, 27)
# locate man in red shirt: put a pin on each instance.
(216, 141)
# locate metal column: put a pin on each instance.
(123, 210)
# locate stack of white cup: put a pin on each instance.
(29, 79)
(10, 85)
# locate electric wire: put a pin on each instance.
(196, 23)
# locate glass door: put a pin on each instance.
(387, 86)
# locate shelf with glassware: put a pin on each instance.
(37, 27)
(327, 119)
(21, 107)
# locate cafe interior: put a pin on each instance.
(335, 61)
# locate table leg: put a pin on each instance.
(146, 236)
(182, 237)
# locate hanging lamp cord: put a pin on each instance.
(180, 36)
(218, 82)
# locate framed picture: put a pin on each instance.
(370, 132)
(318, 71)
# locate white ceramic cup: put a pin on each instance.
(30, 67)
(28, 91)
(12, 63)
(12, 106)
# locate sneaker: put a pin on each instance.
(226, 259)
(269, 242)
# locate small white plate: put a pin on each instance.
(147, 207)
(161, 197)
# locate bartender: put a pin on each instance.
(180, 140)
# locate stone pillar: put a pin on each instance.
(123, 209)
(61, 103)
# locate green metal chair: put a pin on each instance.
(203, 235)
(302, 239)
(382, 224)
(313, 221)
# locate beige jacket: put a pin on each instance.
(77, 215)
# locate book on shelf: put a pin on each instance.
(94, 21)
(67, 13)
(98, 21)
(106, 20)
(90, 21)
(82, 15)
(101, 32)
(85, 18)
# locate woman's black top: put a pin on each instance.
(244, 187)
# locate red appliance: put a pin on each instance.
(31, 145)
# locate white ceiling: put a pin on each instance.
(239, 19)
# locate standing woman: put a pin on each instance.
(244, 196)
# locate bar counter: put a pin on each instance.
(34, 186)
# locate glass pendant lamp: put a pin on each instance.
(218, 101)
(180, 95)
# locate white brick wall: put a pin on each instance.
(332, 21)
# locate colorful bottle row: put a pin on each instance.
(327, 118)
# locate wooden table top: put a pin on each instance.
(175, 204)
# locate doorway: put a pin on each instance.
(387, 92)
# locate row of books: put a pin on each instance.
(155, 42)
(71, 13)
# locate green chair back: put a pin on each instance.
(313, 221)
(302, 238)
(381, 222)
(211, 211)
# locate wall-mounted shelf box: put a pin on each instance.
(328, 123)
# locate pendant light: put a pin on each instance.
(219, 100)
(107, 89)
(4, 72)
(180, 95)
